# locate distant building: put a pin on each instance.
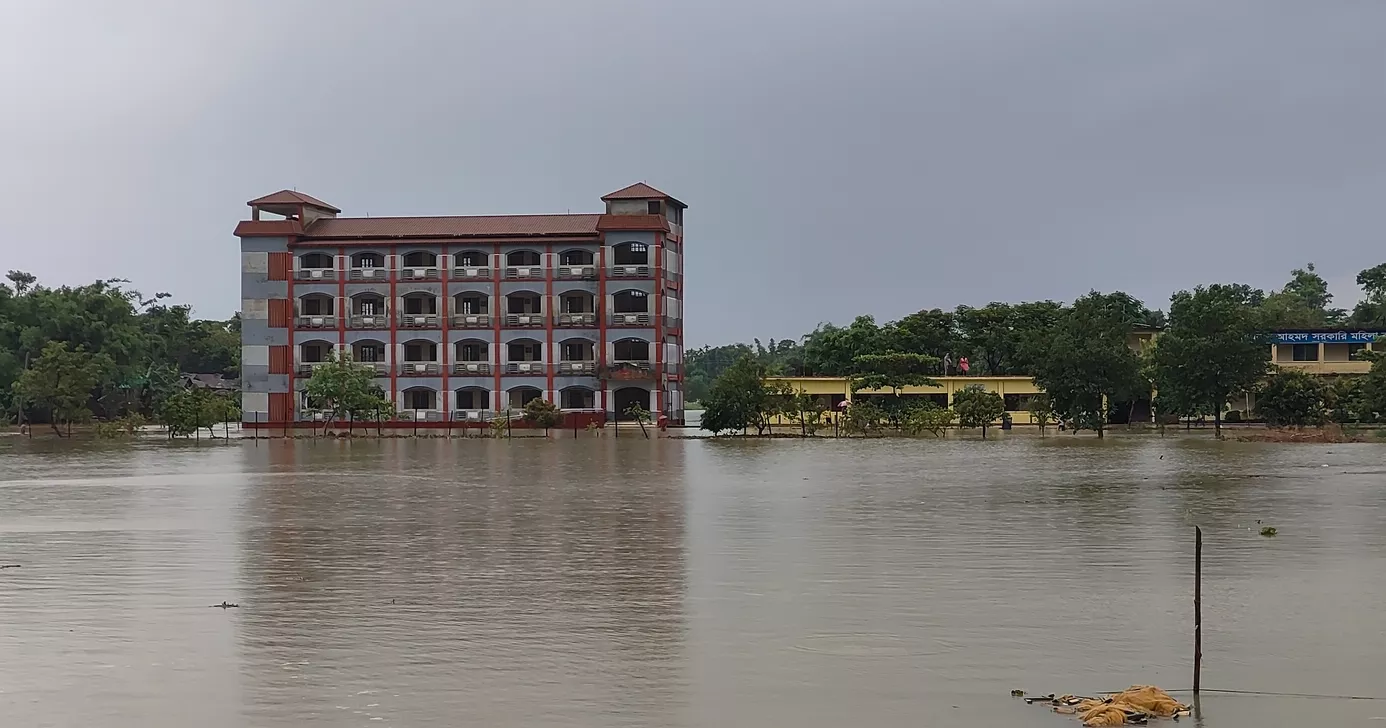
(1325, 352)
(462, 317)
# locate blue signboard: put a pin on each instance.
(1329, 337)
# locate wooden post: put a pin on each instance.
(1198, 609)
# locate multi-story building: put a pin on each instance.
(462, 317)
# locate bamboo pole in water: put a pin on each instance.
(1198, 609)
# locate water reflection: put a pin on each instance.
(679, 583)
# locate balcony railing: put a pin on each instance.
(577, 367)
(524, 271)
(419, 415)
(1328, 367)
(471, 320)
(524, 319)
(327, 321)
(631, 319)
(630, 271)
(469, 273)
(315, 274)
(628, 369)
(420, 274)
(367, 274)
(525, 367)
(368, 321)
(473, 415)
(420, 369)
(305, 368)
(381, 369)
(419, 321)
(576, 319)
(577, 272)
(472, 368)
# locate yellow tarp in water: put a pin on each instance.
(1132, 705)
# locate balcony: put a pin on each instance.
(629, 370)
(524, 319)
(471, 320)
(578, 368)
(420, 369)
(524, 272)
(1327, 367)
(419, 321)
(576, 319)
(367, 274)
(471, 368)
(305, 368)
(631, 319)
(577, 272)
(368, 321)
(315, 274)
(630, 271)
(526, 368)
(472, 415)
(469, 273)
(315, 322)
(420, 274)
(380, 368)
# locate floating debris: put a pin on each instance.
(226, 605)
(1268, 531)
(9, 566)
(1134, 706)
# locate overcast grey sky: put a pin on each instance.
(863, 156)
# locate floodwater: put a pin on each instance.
(601, 582)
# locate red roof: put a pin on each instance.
(640, 191)
(290, 197)
(453, 227)
(632, 222)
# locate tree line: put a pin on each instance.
(104, 350)
(1215, 343)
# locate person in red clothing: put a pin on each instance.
(962, 365)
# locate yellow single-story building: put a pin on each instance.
(833, 391)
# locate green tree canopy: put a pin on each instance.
(1217, 345)
(978, 407)
(1293, 399)
(1088, 358)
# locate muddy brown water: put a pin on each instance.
(681, 582)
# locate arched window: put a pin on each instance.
(472, 350)
(633, 350)
(577, 398)
(521, 396)
(471, 259)
(576, 257)
(577, 302)
(473, 398)
(631, 254)
(528, 258)
(630, 302)
(315, 260)
(316, 304)
(524, 302)
(368, 351)
(420, 398)
(420, 259)
(524, 350)
(623, 398)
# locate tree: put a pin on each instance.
(978, 407)
(1370, 312)
(737, 398)
(807, 410)
(1292, 399)
(863, 417)
(1370, 404)
(832, 350)
(928, 418)
(1217, 344)
(540, 412)
(61, 381)
(1302, 303)
(1087, 359)
(340, 387)
(1041, 411)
